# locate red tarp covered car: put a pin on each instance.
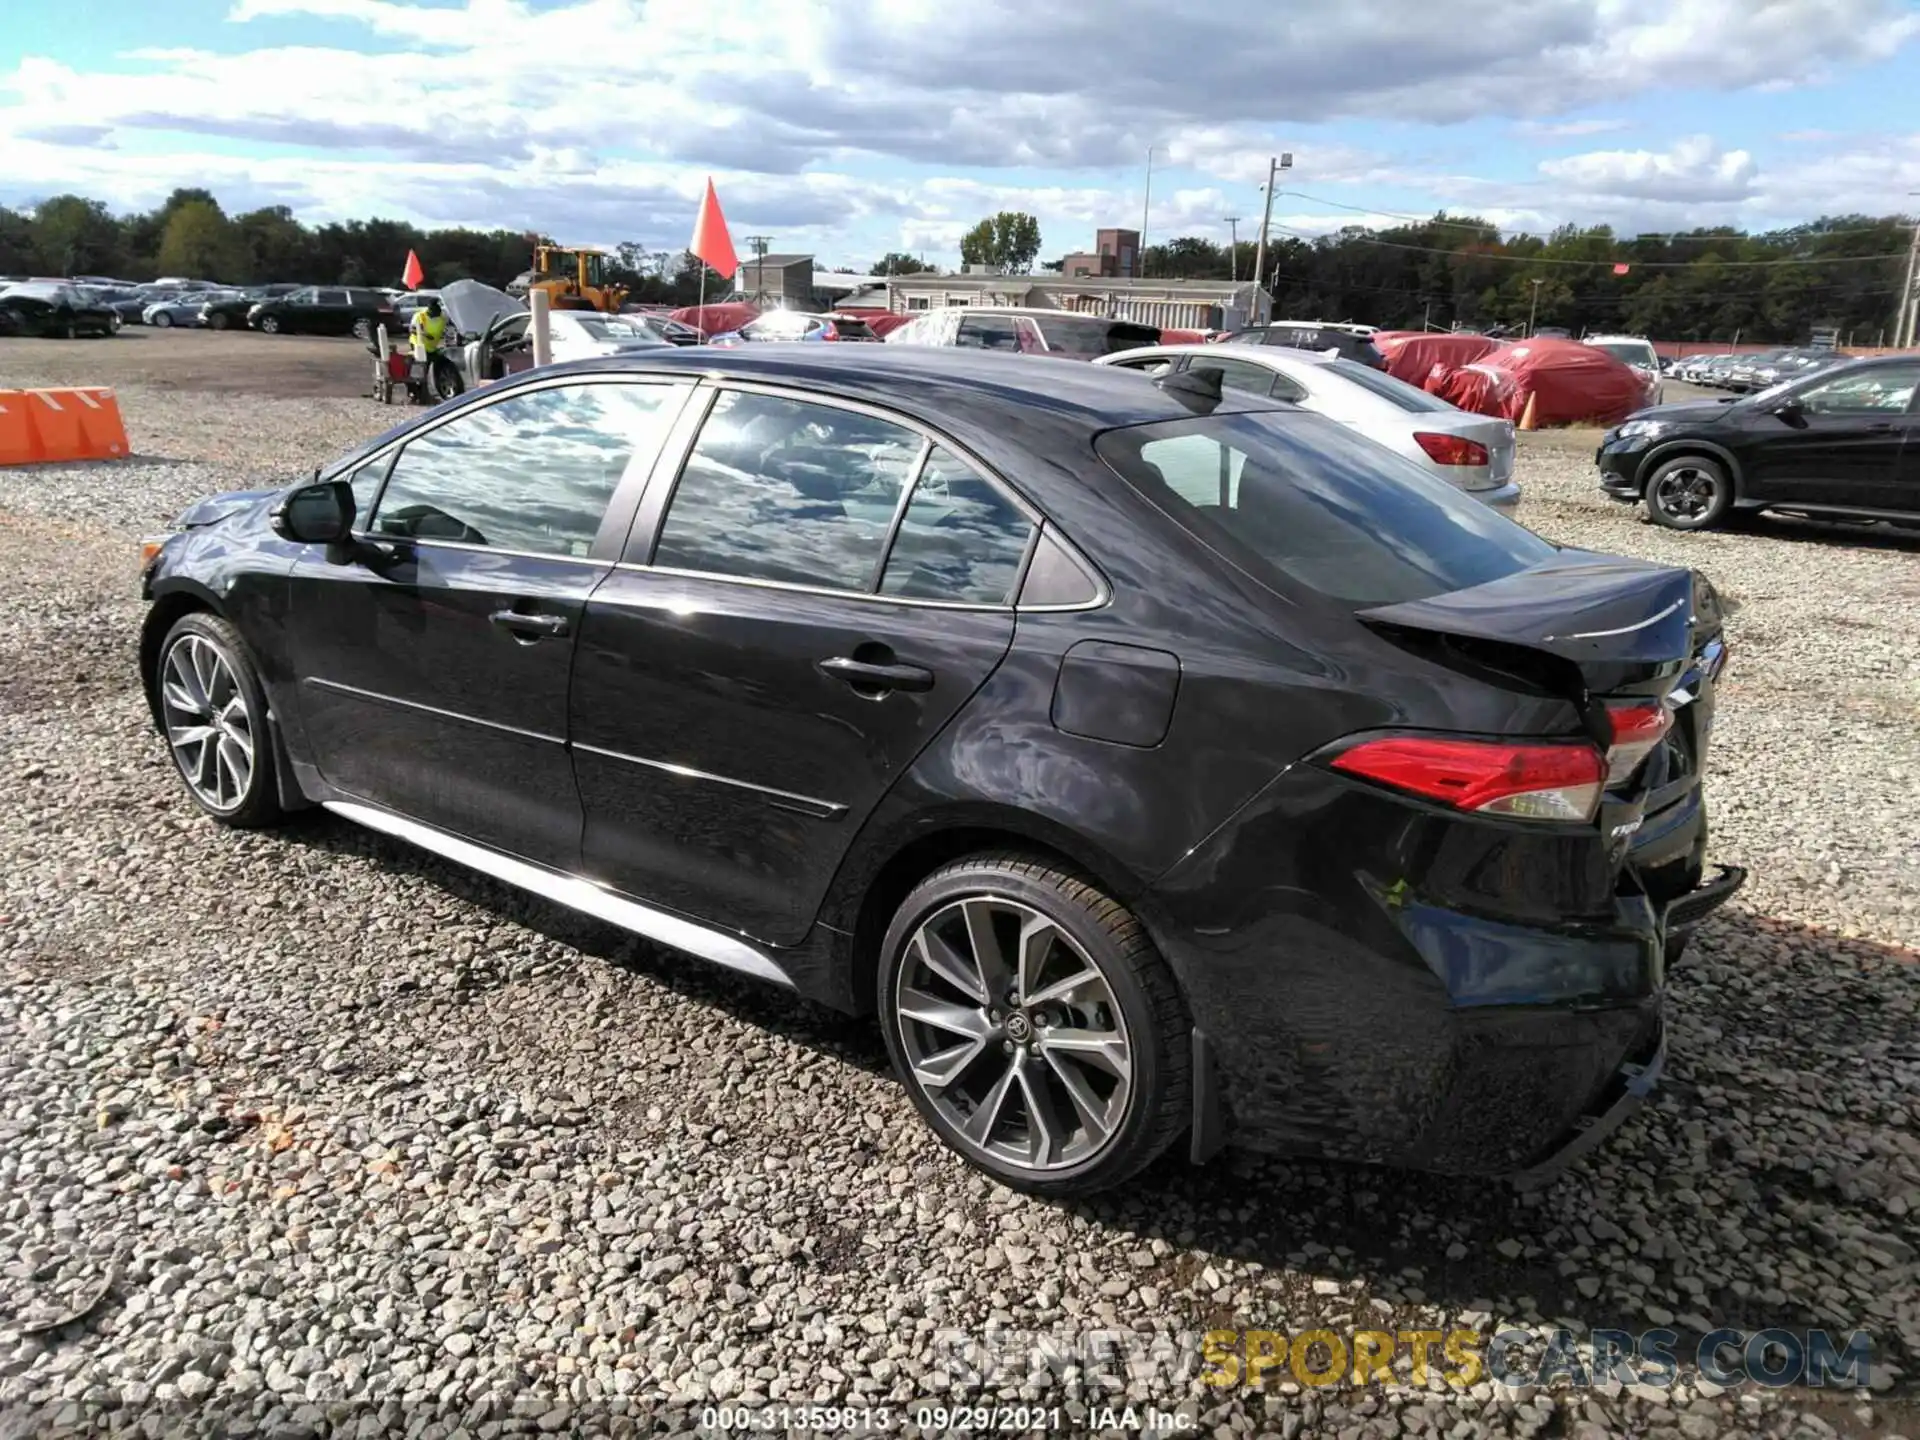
(1414, 357)
(1565, 382)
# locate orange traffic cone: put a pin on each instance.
(1526, 415)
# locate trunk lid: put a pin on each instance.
(1635, 647)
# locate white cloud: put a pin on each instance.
(1695, 169)
(605, 116)
(1570, 129)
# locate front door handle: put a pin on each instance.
(867, 675)
(530, 627)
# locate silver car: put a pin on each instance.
(1472, 452)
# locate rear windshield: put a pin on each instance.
(1407, 397)
(1296, 498)
(1090, 336)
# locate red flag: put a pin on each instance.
(711, 242)
(1621, 269)
(414, 273)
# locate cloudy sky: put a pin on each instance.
(851, 127)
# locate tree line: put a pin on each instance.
(1451, 271)
(191, 235)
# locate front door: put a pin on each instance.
(1842, 445)
(434, 666)
(827, 589)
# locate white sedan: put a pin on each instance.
(1472, 452)
(506, 347)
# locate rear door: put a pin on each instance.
(434, 664)
(1843, 445)
(802, 607)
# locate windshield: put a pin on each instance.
(1407, 397)
(1628, 352)
(1293, 497)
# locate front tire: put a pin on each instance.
(217, 321)
(1036, 1027)
(214, 714)
(1689, 492)
(270, 325)
(162, 321)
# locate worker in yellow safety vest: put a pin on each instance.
(427, 333)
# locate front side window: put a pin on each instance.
(790, 491)
(1877, 391)
(1295, 497)
(532, 472)
(960, 540)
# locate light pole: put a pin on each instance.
(1904, 323)
(1284, 161)
(1533, 308)
(1146, 201)
(1233, 249)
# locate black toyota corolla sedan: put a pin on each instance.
(1156, 761)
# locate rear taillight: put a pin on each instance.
(1541, 780)
(1451, 449)
(1637, 729)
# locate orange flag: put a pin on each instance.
(711, 242)
(414, 273)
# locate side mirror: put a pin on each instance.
(315, 514)
(1788, 408)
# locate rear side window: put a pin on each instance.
(785, 490)
(960, 540)
(1241, 375)
(1398, 392)
(1295, 498)
(1087, 336)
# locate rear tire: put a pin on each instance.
(1035, 1026)
(1689, 492)
(362, 330)
(213, 714)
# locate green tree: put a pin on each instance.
(898, 262)
(200, 242)
(76, 236)
(1008, 241)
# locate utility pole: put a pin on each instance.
(1274, 167)
(1146, 201)
(1533, 309)
(1233, 249)
(1904, 322)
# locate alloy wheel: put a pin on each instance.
(1013, 1034)
(1686, 492)
(209, 725)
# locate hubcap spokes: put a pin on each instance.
(1686, 494)
(1014, 1034)
(208, 724)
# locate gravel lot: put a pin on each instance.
(310, 1128)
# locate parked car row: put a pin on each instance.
(1754, 370)
(1160, 761)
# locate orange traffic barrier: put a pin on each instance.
(17, 445)
(78, 423)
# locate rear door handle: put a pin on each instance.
(530, 627)
(866, 675)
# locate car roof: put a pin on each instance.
(966, 392)
(1273, 357)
